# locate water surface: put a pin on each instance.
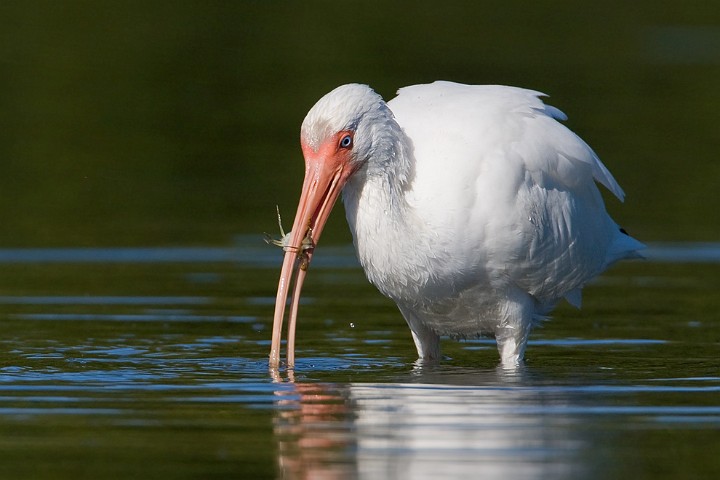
(120, 363)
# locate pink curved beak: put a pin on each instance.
(326, 171)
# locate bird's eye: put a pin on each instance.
(346, 141)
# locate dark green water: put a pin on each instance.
(169, 125)
(125, 363)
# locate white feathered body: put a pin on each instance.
(484, 215)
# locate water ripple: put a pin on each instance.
(251, 253)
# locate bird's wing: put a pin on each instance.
(515, 187)
(476, 107)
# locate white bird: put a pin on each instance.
(472, 207)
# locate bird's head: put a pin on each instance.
(341, 134)
(343, 124)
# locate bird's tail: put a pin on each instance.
(624, 247)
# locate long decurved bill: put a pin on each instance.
(326, 171)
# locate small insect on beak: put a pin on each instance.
(284, 241)
(327, 169)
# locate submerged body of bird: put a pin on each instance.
(471, 207)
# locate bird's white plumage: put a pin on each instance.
(473, 207)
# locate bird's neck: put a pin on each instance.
(377, 191)
(378, 213)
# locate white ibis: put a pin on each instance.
(472, 207)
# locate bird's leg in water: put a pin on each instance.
(427, 341)
(513, 330)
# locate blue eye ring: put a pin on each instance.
(346, 141)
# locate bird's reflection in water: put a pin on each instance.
(433, 424)
(313, 425)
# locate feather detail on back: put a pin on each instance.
(449, 99)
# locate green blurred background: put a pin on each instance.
(176, 123)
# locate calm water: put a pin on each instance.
(153, 363)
